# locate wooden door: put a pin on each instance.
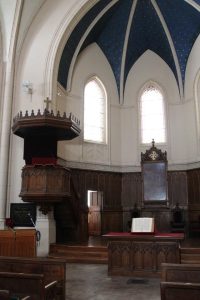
(94, 215)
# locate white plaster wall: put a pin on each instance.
(177, 134)
(30, 10)
(193, 65)
(190, 129)
(92, 62)
(38, 47)
(45, 31)
(115, 135)
(7, 12)
(123, 148)
(32, 63)
(197, 110)
(1, 75)
(192, 104)
(15, 171)
(129, 134)
(148, 67)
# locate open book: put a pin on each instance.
(142, 225)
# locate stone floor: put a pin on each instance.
(91, 282)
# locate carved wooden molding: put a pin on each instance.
(62, 127)
(154, 154)
(45, 185)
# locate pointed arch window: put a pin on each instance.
(152, 114)
(95, 111)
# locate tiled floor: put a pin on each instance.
(91, 282)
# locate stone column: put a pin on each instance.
(47, 227)
(5, 145)
(7, 99)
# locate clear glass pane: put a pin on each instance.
(157, 135)
(152, 122)
(152, 115)
(94, 111)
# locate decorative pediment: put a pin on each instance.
(154, 154)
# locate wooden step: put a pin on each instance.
(80, 254)
(190, 255)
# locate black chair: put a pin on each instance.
(178, 219)
(135, 213)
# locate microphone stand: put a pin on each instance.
(38, 233)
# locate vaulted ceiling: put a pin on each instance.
(125, 29)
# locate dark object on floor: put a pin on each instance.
(137, 281)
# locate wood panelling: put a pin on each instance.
(140, 255)
(131, 189)
(112, 221)
(194, 201)
(177, 188)
(132, 194)
(121, 191)
(194, 188)
(20, 242)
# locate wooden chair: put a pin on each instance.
(180, 291)
(178, 219)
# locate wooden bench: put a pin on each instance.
(180, 272)
(52, 269)
(21, 284)
(180, 291)
(6, 295)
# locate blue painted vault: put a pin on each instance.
(125, 29)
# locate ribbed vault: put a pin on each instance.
(125, 29)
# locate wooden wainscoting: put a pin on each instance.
(20, 242)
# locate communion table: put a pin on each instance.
(141, 254)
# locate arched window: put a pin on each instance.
(152, 114)
(95, 111)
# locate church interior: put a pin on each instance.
(99, 125)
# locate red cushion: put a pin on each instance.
(44, 160)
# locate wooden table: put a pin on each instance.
(141, 254)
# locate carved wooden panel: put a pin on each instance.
(167, 252)
(194, 201)
(162, 218)
(119, 257)
(20, 242)
(194, 188)
(120, 192)
(45, 183)
(177, 188)
(131, 189)
(25, 243)
(111, 221)
(141, 257)
(7, 245)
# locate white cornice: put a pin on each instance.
(123, 169)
